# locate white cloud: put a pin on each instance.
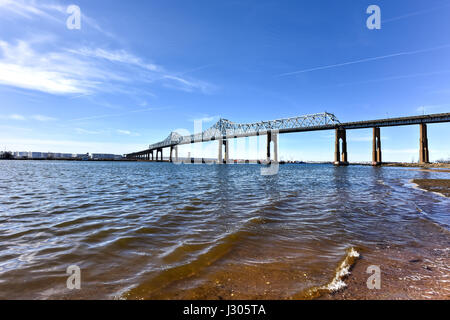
(176, 82)
(17, 117)
(13, 117)
(127, 133)
(53, 73)
(25, 9)
(116, 56)
(42, 118)
(75, 70)
(82, 71)
(84, 131)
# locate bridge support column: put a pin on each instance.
(376, 147)
(219, 157)
(227, 151)
(340, 159)
(172, 149)
(424, 156)
(272, 137)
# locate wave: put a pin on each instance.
(188, 269)
(337, 283)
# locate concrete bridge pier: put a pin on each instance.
(424, 156)
(272, 137)
(223, 142)
(172, 149)
(376, 147)
(227, 150)
(219, 157)
(340, 159)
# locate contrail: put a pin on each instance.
(405, 53)
(407, 76)
(414, 14)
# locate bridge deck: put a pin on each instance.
(289, 126)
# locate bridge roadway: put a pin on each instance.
(224, 130)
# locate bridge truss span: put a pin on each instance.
(226, 129)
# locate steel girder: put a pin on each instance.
(225, 128)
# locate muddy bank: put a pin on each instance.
(441, 186)
(417, 165)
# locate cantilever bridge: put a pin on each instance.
(224, 130)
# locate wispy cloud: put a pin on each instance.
(127, 133)
(176, 82)
(39, 117)
(83, 71)
(19, 117)
(13, 117)
(399, 77)
(116, 56)
(415, 13)
(55, 73)
(337, 65)
(73, 69)
(50, 11)
(85, 131)
(25, 9)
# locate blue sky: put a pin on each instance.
(137, 70)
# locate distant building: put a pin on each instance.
(62, 156)
(21, 154)
(82, 156)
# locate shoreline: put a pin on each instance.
(240, 161)
(437, 186)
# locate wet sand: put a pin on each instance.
(406, 274)
(420, 274)
(441, 186)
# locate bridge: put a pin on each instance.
(224, 130)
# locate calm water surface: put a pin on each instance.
(146, 230)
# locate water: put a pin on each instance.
(159, 230)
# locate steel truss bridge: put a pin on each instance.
(225, 129)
